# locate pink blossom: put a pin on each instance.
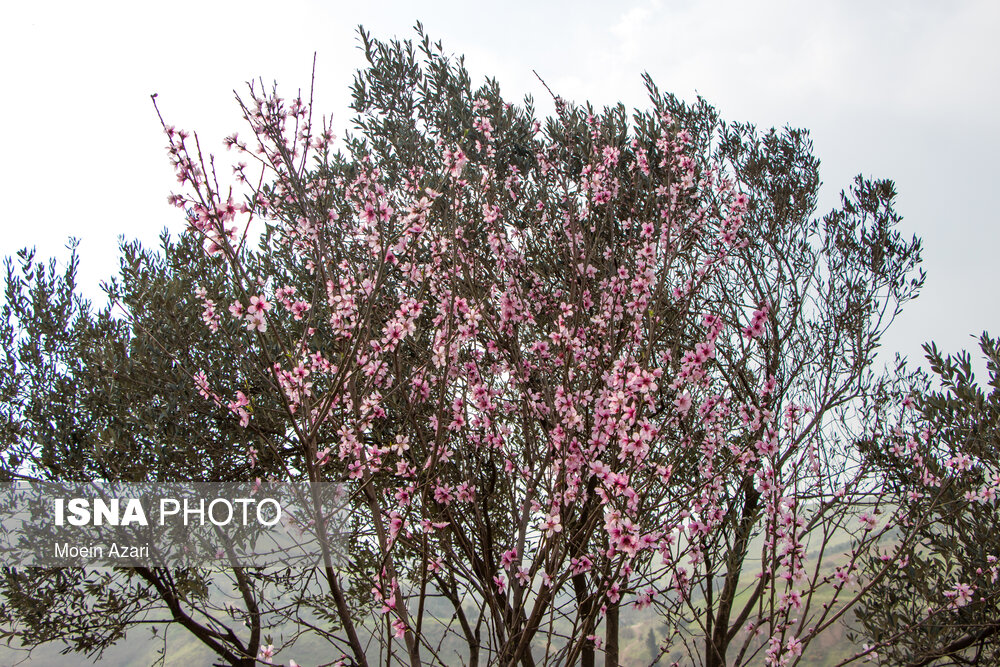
(961, 594)
(552, 524)
(756, 327)
(443, 494)
(868, 521)
(508, 558)
(256, 321)
(202, 383)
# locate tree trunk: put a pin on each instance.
(583, 606)
(611, 636)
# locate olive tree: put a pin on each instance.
(940, 606)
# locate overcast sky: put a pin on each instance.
(893, 89)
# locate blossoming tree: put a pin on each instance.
(563, 371)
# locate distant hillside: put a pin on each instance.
(641, 632)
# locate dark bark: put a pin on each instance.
(584, 607)
(219, 643)
(723, 631)
(958, 645)
(611, 636)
